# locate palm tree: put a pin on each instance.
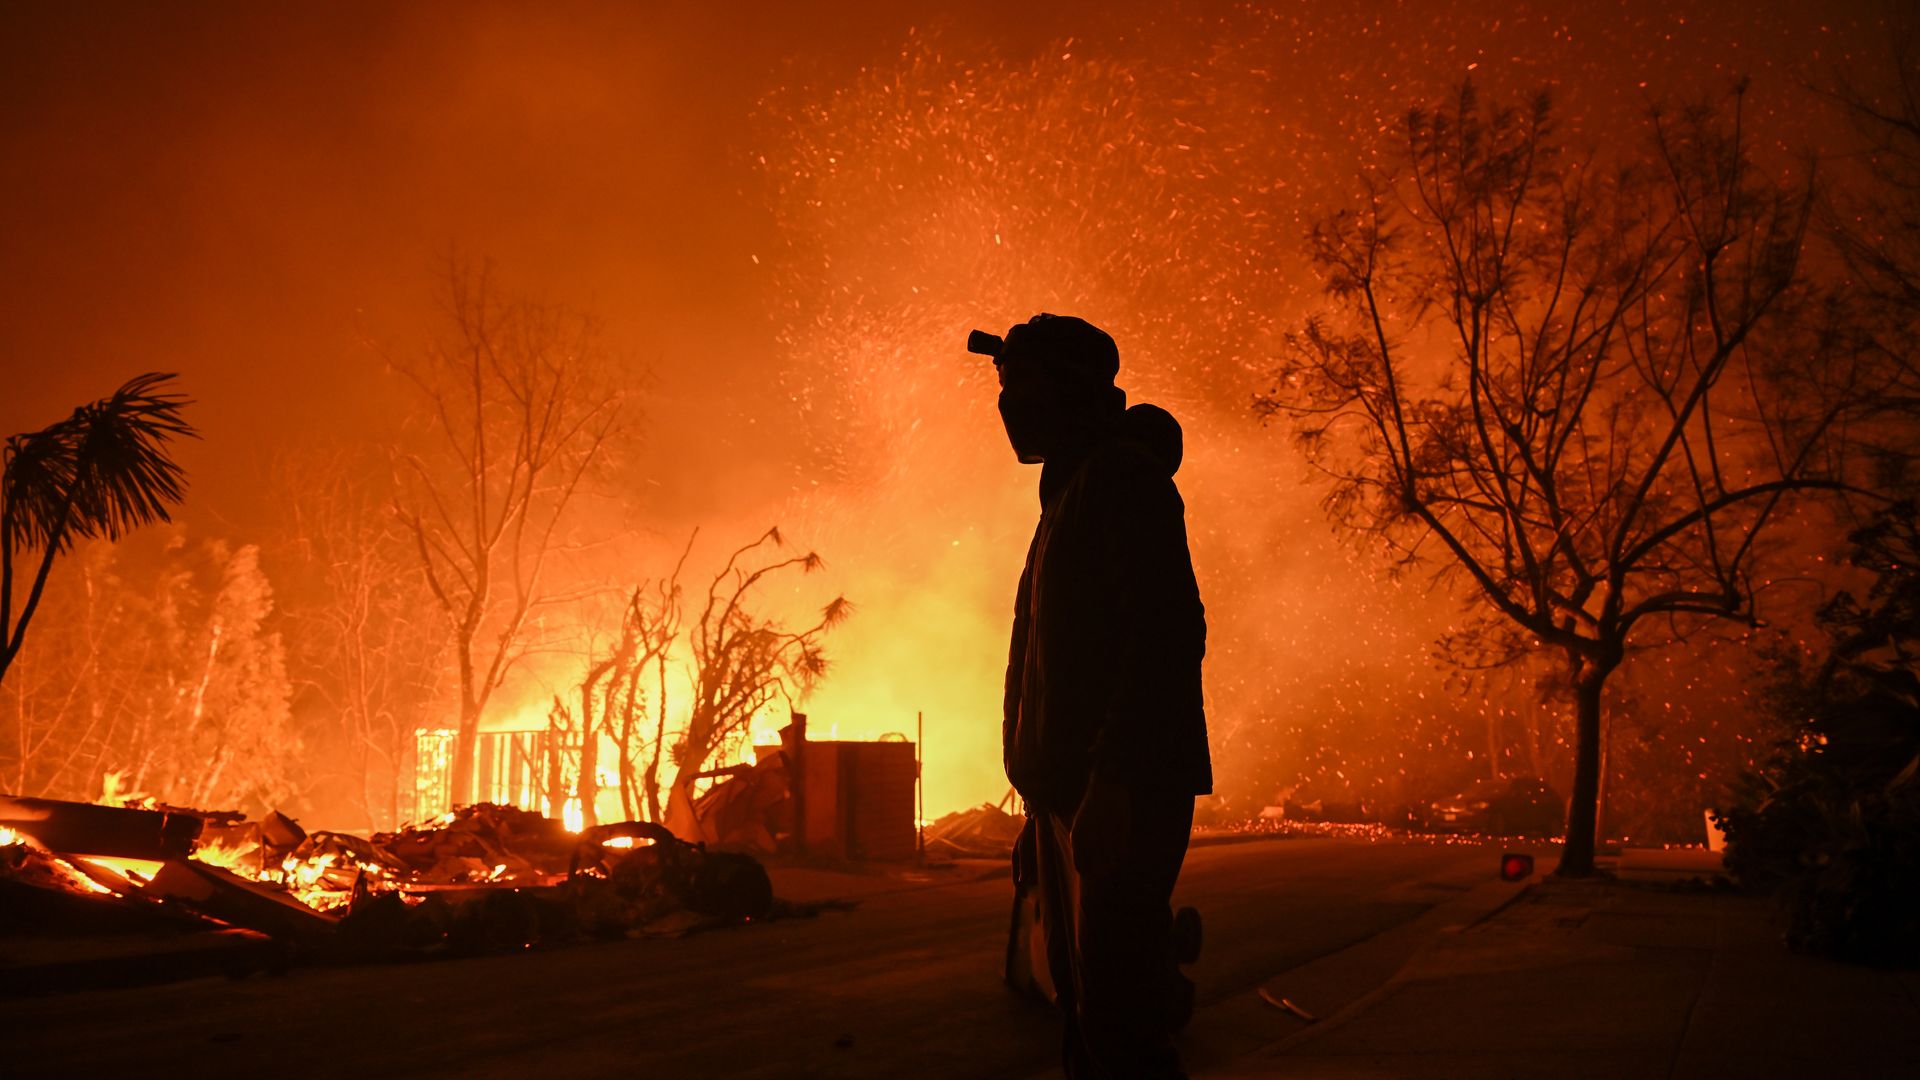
(103, 471)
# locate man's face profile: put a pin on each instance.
(1030, 399)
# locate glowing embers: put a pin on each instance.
(328, 869)
(483, 878)
(82, 848)
(603, 849)
(23, 860)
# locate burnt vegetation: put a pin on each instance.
(517, 412)
(1590, 391)
(1828, 818)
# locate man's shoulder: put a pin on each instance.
(1127, 464)
(1122, 477)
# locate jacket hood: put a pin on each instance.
(1156, 429)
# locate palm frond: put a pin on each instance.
(38, 473)
(124, 477)
(103, 471)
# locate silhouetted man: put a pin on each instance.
(1104, 736)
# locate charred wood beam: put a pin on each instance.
(85, 829)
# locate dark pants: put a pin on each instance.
(1109, 941)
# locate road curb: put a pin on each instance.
(148, 961)
(1354, 1009)
(993, 869)
(1213, 839)
(1400, 946)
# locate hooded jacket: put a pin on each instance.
(1108, 629)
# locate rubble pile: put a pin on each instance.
(482, 878)
(482, 842)
(984, 832)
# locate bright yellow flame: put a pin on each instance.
(79, 877)
(8, 837)
(572, 817)
(327, 881)
(139, 870)
(236, 859)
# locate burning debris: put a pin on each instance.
(327, 868)
(480, 843)
(482, 878)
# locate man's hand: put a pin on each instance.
(1101, 828)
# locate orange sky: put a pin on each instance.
(250, 196)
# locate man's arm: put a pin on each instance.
(1016, 665)
(1157, 637)
(1159, 628)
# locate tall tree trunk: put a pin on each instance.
(652, 778)
(12, 637)
(1576, 857)
(629, 782)
(466, 747)
(587, 788)
(629, 788)
(650, 784)
(366, 779)
(556, 774)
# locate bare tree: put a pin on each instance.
(67, 704)
(655, 615)
(359, 643)
(221, 729)
(516, 410)
(1561, 377)
(614, 695)
(743, 662)
(161, 674)
(1872, 223)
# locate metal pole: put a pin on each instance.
(920, 781)
(797, 724)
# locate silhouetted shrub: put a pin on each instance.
(1831, 820)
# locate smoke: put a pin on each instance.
(1150, 196)
(787, 232)
(1158, 185)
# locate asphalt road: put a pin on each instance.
(905, 985)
